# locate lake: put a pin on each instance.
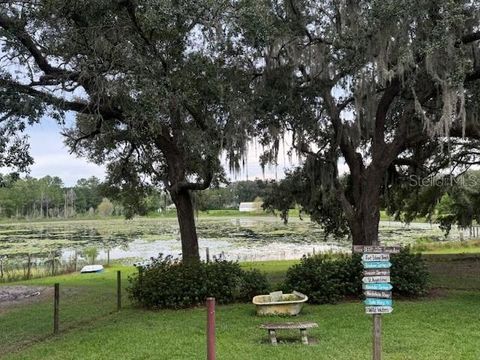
(250, 238)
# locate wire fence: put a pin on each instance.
(33, 266)
(39, 309)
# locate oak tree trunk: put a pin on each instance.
(365, 221)
(365, 227)
(186, 221)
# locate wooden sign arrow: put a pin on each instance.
(376, 257)
(371, 310)
(376, 272)
(376, 279)
(372, 249)
(377, 286)
(378, 302)
(377, 264)
(378, 294)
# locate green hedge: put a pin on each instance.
(330, 278)
(169, 283)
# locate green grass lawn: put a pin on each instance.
(275, 270)
(442, 326)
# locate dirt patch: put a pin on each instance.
(11, 296)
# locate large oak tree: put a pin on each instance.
(387, 87)
(149, 83)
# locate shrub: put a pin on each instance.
(253, 283)
(324, 278)
(169, 283)
(409, 274)
(223, 280)
(331, 278)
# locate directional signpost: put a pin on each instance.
(376, 279)
(377, 288)
(378, 294)
(375, 310)
(378, 302)
(385, 287)
(376, 257)
(376, 272)
(376, 264)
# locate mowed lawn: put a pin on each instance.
(446, 325)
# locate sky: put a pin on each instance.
(52, 157)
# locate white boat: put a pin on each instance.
(92, 269)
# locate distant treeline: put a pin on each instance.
(48, 197)
(231, 195)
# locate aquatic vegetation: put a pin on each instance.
(234, 238)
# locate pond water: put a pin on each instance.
(243, 239)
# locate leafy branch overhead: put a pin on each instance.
(369, 85)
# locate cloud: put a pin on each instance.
(53, 158)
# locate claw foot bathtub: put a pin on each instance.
(278, 303)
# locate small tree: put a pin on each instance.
(105, 208)
(91, 253)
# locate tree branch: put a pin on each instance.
(474, 75)
(66, 105)
(18, 31)
(89, 135)
(469, 38)
(196, 115)
(382, 111)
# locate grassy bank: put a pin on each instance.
(170, 214)
(442, 326)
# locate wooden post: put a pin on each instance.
(207, 254)
(56, 308)
(29, 266)
(377, 337)
(211, 329)
(119, 290)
